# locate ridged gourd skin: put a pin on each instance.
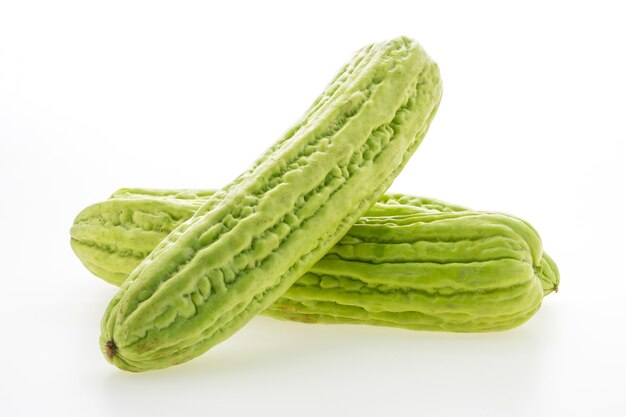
(250, 242)
(113, 236)
(448, 271)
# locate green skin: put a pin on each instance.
(386, 253)
(252, 240)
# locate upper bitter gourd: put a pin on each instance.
(113, 236)
(250, 242)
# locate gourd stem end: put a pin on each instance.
(110, 349)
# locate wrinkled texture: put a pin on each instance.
(249, 242)
(392, 268)
(113, 236)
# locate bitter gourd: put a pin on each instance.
(113, 236)
(455, 271)
(250, 242)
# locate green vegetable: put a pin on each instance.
(462, 271)
(113, 236)
(250, 242)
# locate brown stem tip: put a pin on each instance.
(555, 289)
(110, 349)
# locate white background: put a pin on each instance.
(100, 95)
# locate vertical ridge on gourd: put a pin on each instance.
(247, 245)
(397, 264)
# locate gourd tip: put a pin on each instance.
(110, 349)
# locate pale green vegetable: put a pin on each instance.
(253, 239)
(402, 264)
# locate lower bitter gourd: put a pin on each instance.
(251, 241)
(409, 262)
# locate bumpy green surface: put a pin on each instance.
(459, 271)
(113, 236)
(250, 242)
(399, 265)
